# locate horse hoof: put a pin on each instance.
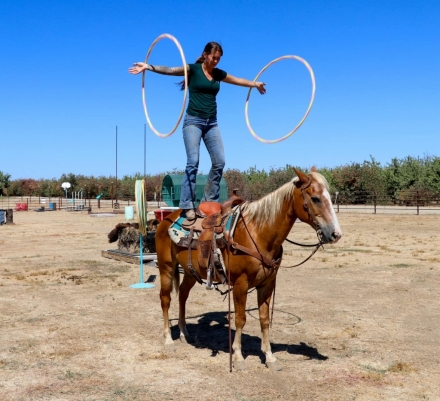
(185, 340)
(169, 346)
(275, 366)
(239, 365)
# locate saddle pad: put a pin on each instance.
(177, 230)
(232, 221)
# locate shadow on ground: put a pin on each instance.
(211, 332)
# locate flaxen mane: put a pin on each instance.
(264, 210)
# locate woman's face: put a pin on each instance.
(212, 59)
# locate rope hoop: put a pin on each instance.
(141, 206)
(312, 76)
(185, 93)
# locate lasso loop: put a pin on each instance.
(312, 76)
(185, 94)
(141, 206)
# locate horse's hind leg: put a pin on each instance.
(168, 271)
(264, 296)
(187, 283)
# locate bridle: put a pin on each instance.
(312, 216)
(315, 223)
(274, 264)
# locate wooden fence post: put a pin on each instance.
(9, 216)
(417, 201)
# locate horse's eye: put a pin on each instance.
(315, 199)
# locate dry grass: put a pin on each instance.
(357, 321)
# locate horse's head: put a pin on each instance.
(314, 205)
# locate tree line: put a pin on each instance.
(395, 181)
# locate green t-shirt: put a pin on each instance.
(202, 91)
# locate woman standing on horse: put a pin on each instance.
(200, 121)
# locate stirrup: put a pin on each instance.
(209, 285)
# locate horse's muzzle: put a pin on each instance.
(330, 235)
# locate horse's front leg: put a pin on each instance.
(187, 283)
(264, 296)
(240, 297)
(167, 272)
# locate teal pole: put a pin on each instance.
(141, 283)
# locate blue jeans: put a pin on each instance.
(195, 129)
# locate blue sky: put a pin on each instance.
(65, 86)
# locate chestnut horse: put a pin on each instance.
(263, 226)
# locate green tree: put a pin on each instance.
(235, 180)
(360, 183)
(4, 181)
(431, 174)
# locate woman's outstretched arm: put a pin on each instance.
(230, 79)
(141, 67)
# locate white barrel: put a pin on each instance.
(129, 212)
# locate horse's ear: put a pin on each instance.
(314, 170)
(302, 178)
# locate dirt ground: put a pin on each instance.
(359, 321)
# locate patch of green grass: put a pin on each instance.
(372, 369)
(91, 263)
(129, 394)
(118, 268)
(41, 273)
(385, 248)
(69, 375)
(258, 398)
(65, 269)
(401, 265)
(340, 250)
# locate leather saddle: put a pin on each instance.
(210, 222)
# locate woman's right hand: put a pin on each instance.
(138, 68)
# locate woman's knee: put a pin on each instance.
(218, 165)
(192, 163)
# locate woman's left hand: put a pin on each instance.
(138, 68)
(260, 87)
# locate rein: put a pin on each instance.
(297, 243)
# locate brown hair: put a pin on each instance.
(209, 48)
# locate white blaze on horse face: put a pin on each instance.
(337, 228)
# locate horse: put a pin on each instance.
(263, 226)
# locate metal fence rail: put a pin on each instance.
(29, 203)
(403, 202)
(408, 201)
